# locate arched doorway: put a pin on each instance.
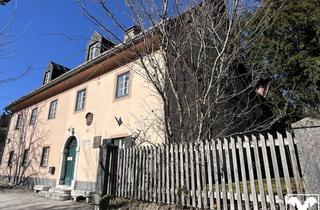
(70, 152)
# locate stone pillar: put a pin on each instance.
(307, 135)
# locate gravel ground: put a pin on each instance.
(11, 199)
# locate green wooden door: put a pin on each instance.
(70, 162)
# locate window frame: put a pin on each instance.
(10, 159)
(82, 103)
(51, 110)
(33, 116)
(19, 121)
(42, 162)
(93, 48)
(25, 158)
(47, 77)
(124, 86)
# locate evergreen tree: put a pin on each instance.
(289, 51)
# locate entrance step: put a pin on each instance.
(78, 194)
(58, 193)
(39, 188)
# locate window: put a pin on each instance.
(19, 121)
(122, 85)
(33, 116)
(45, 156)
(47, 77)
(93, 51)
(52, 109)
(10, 160)
(81, 99)
(25, 158)
(121, 142)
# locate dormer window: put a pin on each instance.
(93, 51)
(53, 71)
(97, 44)
(47, 77)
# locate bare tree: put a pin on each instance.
(24, 147)
(192, 54)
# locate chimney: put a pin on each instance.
(131, 32)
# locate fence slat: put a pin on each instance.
(193, 185)
(236, 171)
(137, 169)
(152, 173)
(243, 174)
(209, 171)
(294, 161)
(198, 177)
(186, 152)
(216, 174)
(177, 167)
(284, 163)
(204, 176)
(276, 169)
(267, 171)
(154, 176)
(140, 173)
(120, 169)
(251, 175)
(158, 173)
(118, 174)
(222, 174)
(259, 172)
(163, 173)
(125, 186)
(229, 173)
(172, 193)
(167, 174)
(143, 172)
(182, 178)
(132, 173)
(147, 185)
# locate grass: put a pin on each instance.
(265, 186)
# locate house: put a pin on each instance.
(56, 130)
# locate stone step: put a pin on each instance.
(59, 190)
(39, 188)
(55, 196)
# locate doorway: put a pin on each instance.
(70, 160)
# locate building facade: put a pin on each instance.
(56, 131)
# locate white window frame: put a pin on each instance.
(25, 158)
(123, 84)
(47, 77)
(81, 99)
(19, 121)
(53, 109)
(33, 117)
(93, 51)
(45, 156)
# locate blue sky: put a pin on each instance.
(42, 31)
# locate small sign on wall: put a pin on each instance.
(96, 142)
(86, 143)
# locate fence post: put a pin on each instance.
(307, 138)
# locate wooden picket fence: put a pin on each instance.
(237, 173)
